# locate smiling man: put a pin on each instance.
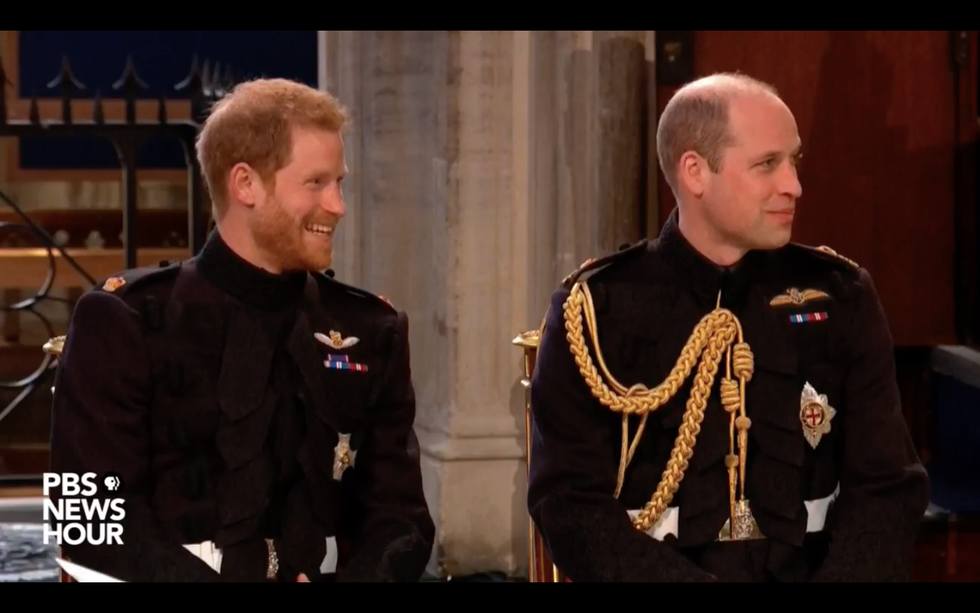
(259, 412)
(720, 404)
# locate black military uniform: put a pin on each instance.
(260, 413)
(821, 410)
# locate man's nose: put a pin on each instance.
(791, 183)
(333, 202)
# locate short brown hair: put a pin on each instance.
(696, 119)
(253, 125)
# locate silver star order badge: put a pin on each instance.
(343, 457)
(815, 415)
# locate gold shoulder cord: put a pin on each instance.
(715, 334)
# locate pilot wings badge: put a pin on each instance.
(335, 340)
(798, 297)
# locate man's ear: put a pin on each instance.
(244, 184)
(692, 172)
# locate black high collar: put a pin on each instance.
(246, 282)
(702, 276)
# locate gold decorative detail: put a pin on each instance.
(335, 340)
(343, 457)
(830, 251)
(588, 262)
(272, 567)
(541, 568)
(796, 297)
(529, 339)
(746, 527)
(815, 415)
(55, 346)
(718, 334)
(113, 283)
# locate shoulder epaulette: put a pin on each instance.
(328, 278)
(594, 264)
(828, 254)
(127, 280)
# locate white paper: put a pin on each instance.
(85, 575)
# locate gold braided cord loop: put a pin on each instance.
(730, 396)
(743, 361)
(637, 400)
(713, 338)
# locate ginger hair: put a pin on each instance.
(253, 124)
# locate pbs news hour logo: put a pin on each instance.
(84, 512)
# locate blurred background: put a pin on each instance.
(485, 166)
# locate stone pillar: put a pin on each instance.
(485, 166)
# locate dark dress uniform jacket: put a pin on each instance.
(648, 301)
(201, 383)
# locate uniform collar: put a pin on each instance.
(701, 276)
(246, 282)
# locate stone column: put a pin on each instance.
(485, 166)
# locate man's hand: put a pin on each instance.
(302, 578)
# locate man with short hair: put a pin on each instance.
(256, 409)
(720, 404)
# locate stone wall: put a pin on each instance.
(485, 166)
